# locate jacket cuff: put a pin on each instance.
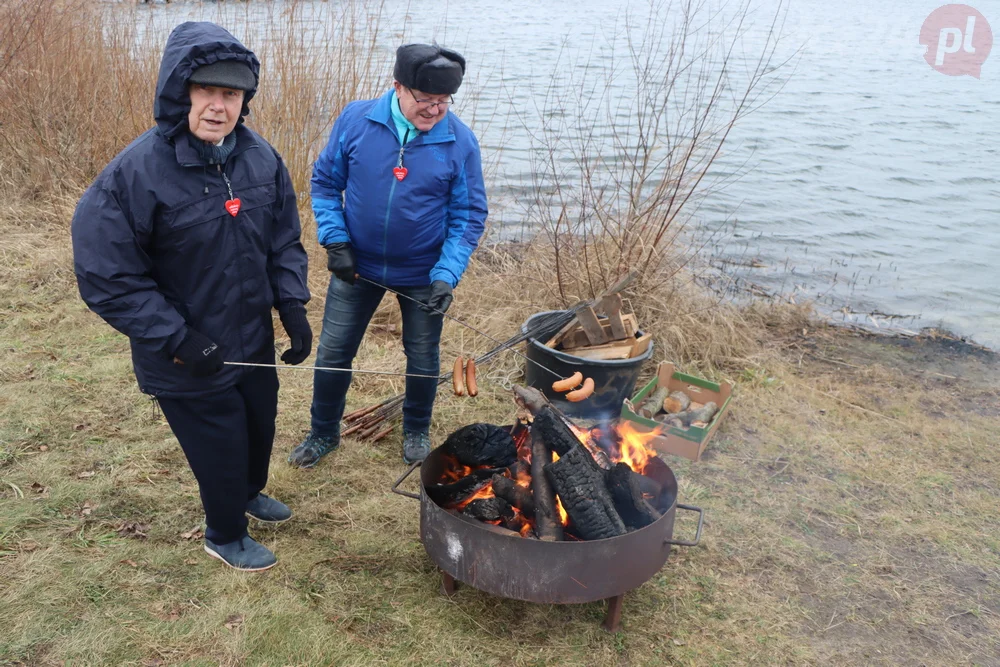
(444, 275)
(286, 307)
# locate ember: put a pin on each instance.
(566, 482)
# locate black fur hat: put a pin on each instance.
(429, 69)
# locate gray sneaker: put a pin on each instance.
(267, 509)
(245, 554)
(416, 446)
(312, 449)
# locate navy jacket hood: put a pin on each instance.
(190, 46)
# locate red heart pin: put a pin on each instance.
(233, 206)
(399, 173)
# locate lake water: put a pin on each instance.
(868, 182)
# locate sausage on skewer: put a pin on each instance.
(583, 392)
(567, 383)
(457, 382)
(470, 378)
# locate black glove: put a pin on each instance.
(440, 297)
(340, 261)
(293, 318)
(199, 355)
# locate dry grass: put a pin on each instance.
(834, 535)
(851, 495)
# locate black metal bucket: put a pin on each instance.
(614, 379)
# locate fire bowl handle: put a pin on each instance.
(416, 464)
(697, 535)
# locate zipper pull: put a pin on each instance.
(399, 171)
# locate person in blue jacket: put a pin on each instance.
(185, 243)
(399, 202)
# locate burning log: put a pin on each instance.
(579, 481)
(449, 494)
(552, 429)
(515, 494)
(482, 445)
(547, 522)
(489, 509)
(624, 487)
(518, 524)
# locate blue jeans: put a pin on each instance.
(349, 309)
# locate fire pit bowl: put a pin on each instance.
(510, 566)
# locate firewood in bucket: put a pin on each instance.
(677, 401)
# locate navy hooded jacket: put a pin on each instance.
(156, 252)
(403, 233)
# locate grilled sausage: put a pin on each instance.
(470, 377)
(583, 392)
(567, 383)
(457, 382)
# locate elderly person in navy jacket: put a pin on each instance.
(185, 243)
(399, 201)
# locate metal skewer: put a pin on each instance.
(341, 370)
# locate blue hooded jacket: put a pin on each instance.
(409, 232)
(156, 252)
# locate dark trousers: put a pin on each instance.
(227, 438)
(349, 309)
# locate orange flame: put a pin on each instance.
(563, 516)
(634, 446)
(524, 477)
(485, 491)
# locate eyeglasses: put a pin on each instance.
(431, 104)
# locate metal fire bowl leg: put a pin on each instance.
(545, 572)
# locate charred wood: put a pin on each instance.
(515, 494)
(517, 523)
(623, 485)
(482, 445)
(655, 469)
(547, 522)
(552, 429)
(449, 494)
(579, 481)
(489, 509)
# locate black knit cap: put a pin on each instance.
(233, 74)
(429, 69)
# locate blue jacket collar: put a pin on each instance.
(382, 113)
